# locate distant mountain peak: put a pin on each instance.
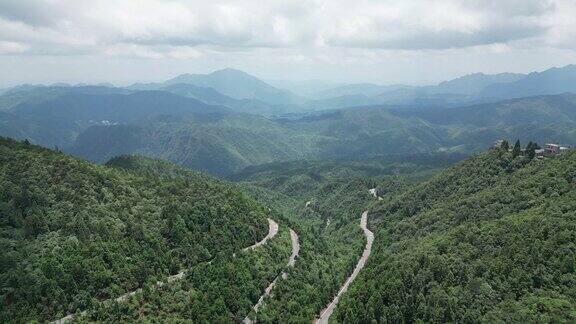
(237, 84)
(230, 71)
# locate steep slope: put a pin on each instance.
(221, 291)
(492, 239)
(323, 202)
(155, 167)
(74, 233)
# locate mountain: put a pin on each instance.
(549, 82)
(345, 101)
(218, 140)
(239, 85)
(116, 108)
(98, 123)
(459, 91)
(474, 83)
(74, 233)
(491, 239)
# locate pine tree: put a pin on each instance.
(505, 146)
(517, 149)
(531, 150)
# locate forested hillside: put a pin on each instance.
(222, 291)
(226, 143)
(98, 123)
(219, 144)
(492, 239)
(73, 233)
(323, 200)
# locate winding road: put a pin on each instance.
(327, 312)
(291, 262)
(272, 231)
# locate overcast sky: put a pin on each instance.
(384, 41)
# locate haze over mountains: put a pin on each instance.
(227, 120)
(190, 161)
(103, 242)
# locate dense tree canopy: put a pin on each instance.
(73, 233)
(492, 239)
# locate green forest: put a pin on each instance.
(287, 162)
(490, 239)
(222, 291)
(74, 233)
(323, 202)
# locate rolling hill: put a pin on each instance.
(58, 121)
(39, 94)
(219, 140)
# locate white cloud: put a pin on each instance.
(385, 24)
(304, 35)
(12, 47)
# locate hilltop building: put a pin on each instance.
(550, 149)
(498, 143)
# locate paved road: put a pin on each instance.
(272, 231)
(327, 312)
(291, 262)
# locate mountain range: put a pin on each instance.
(190, 121)
(103, 219)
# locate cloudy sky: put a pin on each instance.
(385, 41)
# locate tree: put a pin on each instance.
(517, 149)
(505, 146)
(531, 150)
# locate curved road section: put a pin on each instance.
(327, 312)
(272, 231)
(291, 262)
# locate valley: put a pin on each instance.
(221, 198)
(327, 312)
(287, 162)
(190, 123)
